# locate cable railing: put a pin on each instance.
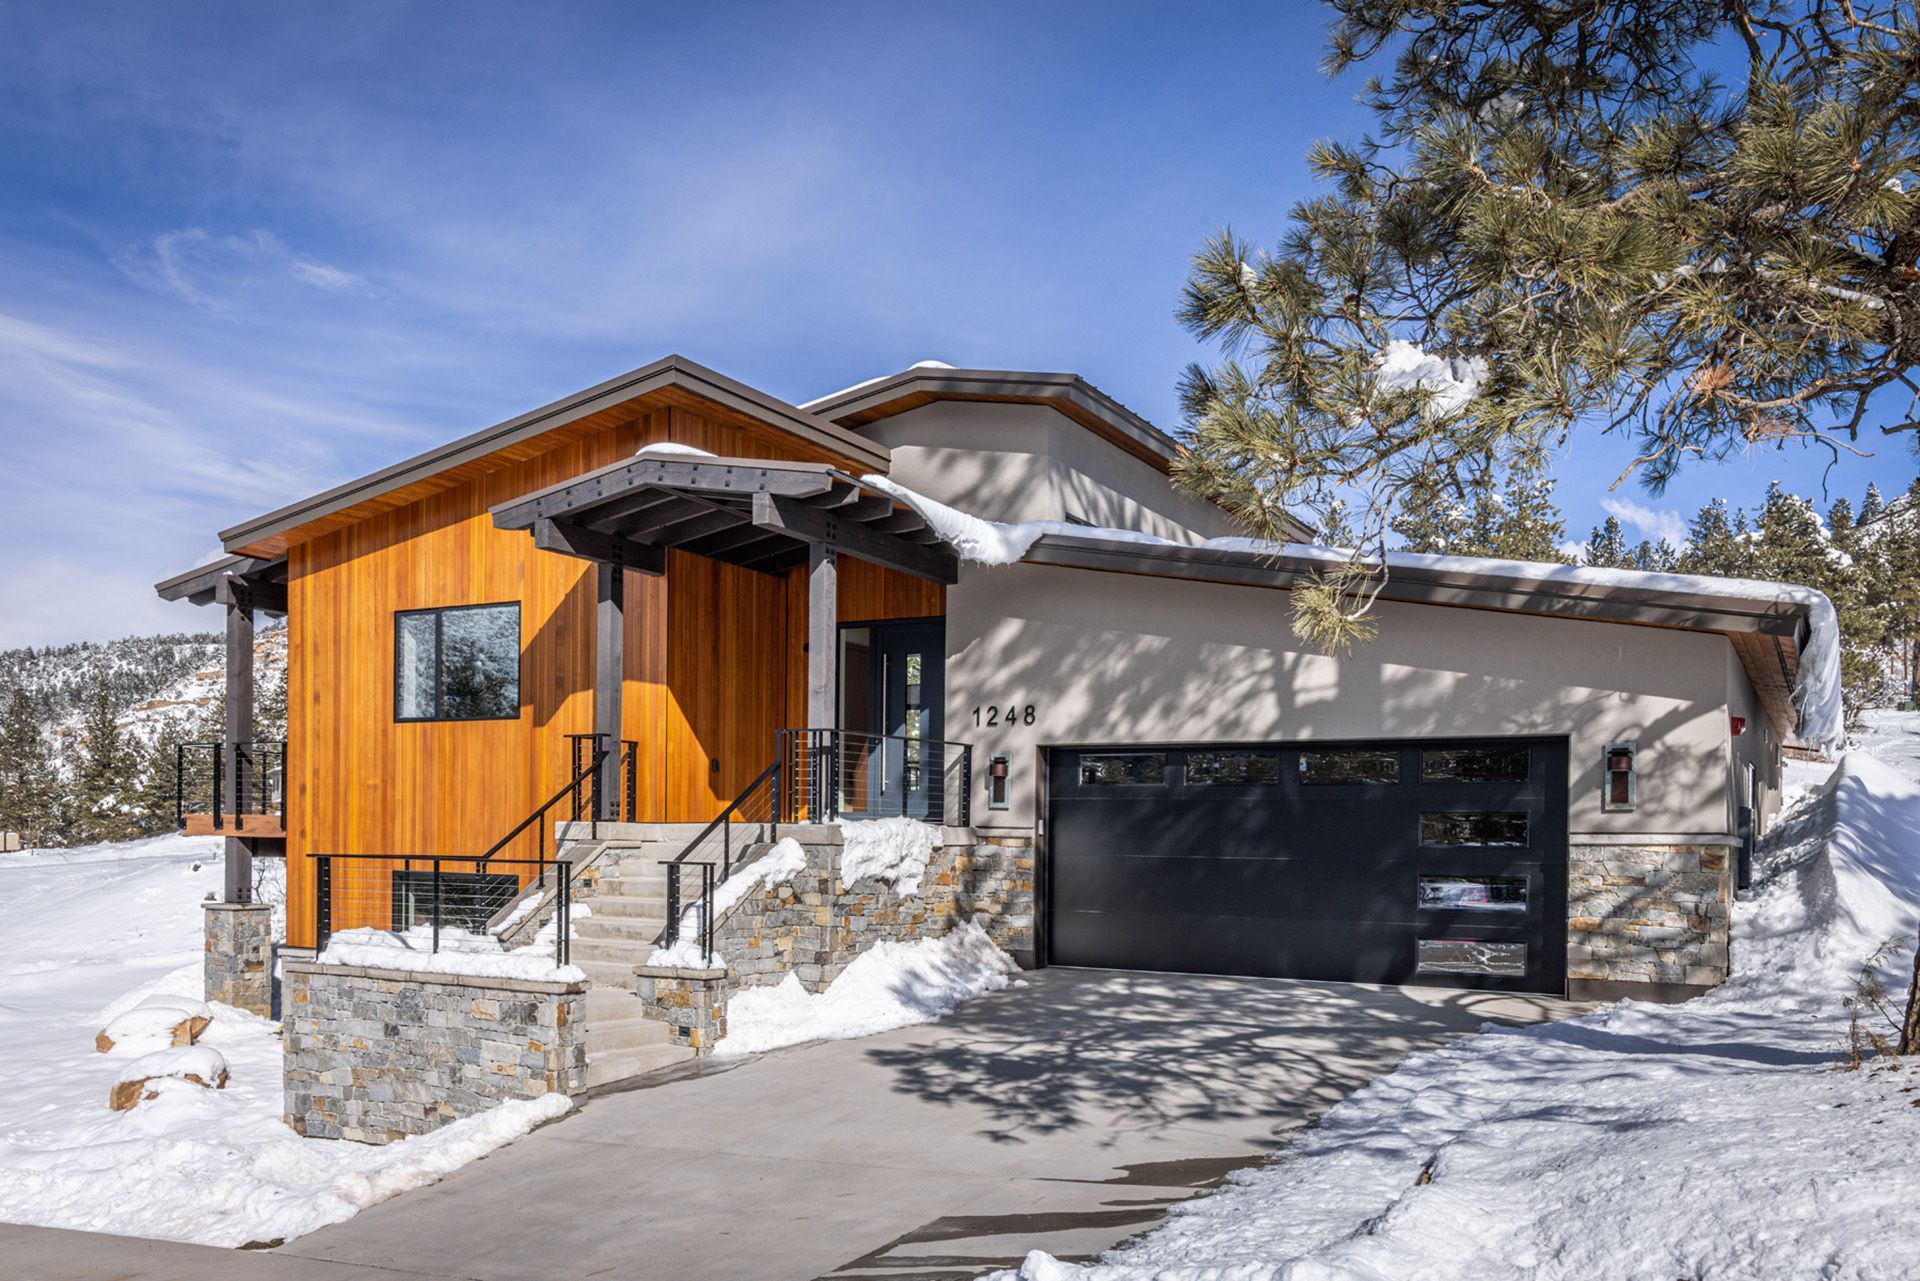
(843, 774)
(234, 784)
(383, 908)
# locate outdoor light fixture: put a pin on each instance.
(1619, 789)
(1739, 725)
(997, 782)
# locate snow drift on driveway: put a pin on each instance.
(1712, 1140)
(85, 935)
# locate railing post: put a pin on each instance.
(322, 903)
(563, 931)
(673, 903)
(633, 779)
(436, 905)
(219, 780)
(966, 785)
(706, 913)
(179, 784)
(726, 843)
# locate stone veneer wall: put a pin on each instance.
(376, 1055)
(238, 966)
(1648, 915)
(813, 928)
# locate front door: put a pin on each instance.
(891, 695)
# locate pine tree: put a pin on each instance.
(1531, 527)
(1872, 505)
(1607, 547)
(1568, 221)
(1714, 544)
(105, 780)
(26, 773)
(1657, 558)
(1334, 532)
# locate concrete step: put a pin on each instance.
(629, 887)
(611, 1005)
(621, 1064)
(625, 1034)
(628, 952)
(608, 974)
(610, 905)
(643, 929)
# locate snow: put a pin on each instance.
(993, 542)
(202, 1061)
(150, 1025)
(460, 952)
(894, 850)
(668, 447)
(891, 985)
(1708, 1140)
(1454, 381)
(89, 934)
(868, 382)
(781, 863)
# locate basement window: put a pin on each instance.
(461, 663)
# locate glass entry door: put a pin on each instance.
(891, 695)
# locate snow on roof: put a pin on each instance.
(1817, 695)
(868, 382)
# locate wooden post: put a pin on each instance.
(823, 712)
(609, 658)
(238, 886)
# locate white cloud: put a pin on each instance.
(1648, 522)
(214, 271)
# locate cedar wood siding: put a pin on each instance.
(715, 663)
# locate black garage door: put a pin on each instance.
(1403, 862)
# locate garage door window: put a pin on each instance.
(1473, 765)
(1358, 766)
(1148, 769)
(1206, 769)
(1472, 956)
(1473, 829)
(1473, 893)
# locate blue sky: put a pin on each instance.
(249, 251)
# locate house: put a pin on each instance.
(974, 598)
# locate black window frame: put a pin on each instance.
(439, 613)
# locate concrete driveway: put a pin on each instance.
(1067, 1114)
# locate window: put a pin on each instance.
(1473, 765)
(468, 900)
(1473, 829)
(457, 664)
(1472, 956)
(1361, 766)
(1205, 769)
(1147, 769)
(1619, 790)
(1473, 893)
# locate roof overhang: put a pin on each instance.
(1767, 633)
(252, 581)
(1071, 394)
(673, 380)
(759, 515)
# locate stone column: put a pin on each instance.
(239, 956)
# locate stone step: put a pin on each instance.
(621, 1064)
(643, 929)
(611, 1005)
(608, 974)
(606, 905)
(629, 952)
(629, 887)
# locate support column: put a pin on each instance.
(609, 669)
(823, 711)
(239, 729)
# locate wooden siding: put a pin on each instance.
(709, 651)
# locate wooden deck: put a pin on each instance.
(257, 827)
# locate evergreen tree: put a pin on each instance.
(27, 784)
(1872, 505)
(1334, 532)
(1530, 526)
(1567, 221)
(1658, 558)
(1607, 547)
(1714, 542)
(105, 779)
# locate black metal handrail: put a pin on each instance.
(819, 767)
(625, 804)
(755, 799)
(462, 891)
(240, 780)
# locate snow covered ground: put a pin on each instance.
(1712, 1140)
(892, 985)
(85, 934)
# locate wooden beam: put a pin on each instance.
(678, 524)
(569, 539)
(609, 669)
(575, 499)
(796, 519)
(823, 636)
(238, 883)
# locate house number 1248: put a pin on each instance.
(1013, 715)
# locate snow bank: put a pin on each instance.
(894, 850)
(88, 935)
(781, 863)
(993, 542)
(460, 952)
(1707, 1140)
(891, 985)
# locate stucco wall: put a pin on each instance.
(1031, 462)
(1114, 658)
